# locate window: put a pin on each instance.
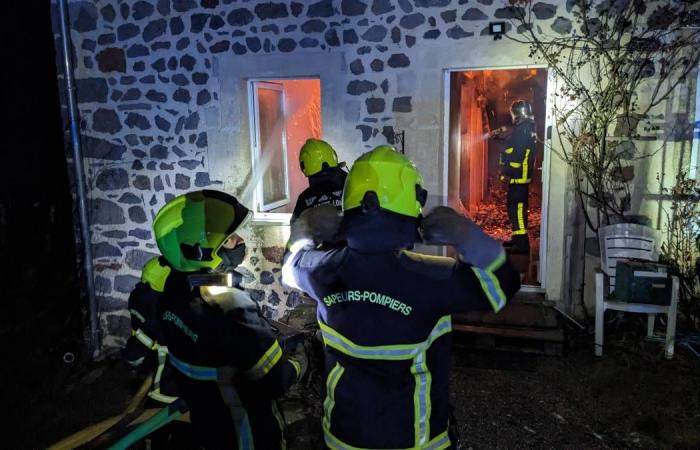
(284, 114)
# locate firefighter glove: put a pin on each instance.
(314, 226)
(444, 226)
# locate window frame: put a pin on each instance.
(261, 213)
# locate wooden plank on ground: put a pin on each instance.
(513, 314)
(552, 335)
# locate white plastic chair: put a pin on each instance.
(625, 241)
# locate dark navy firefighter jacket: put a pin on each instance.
(145, 348)
(229, 365)
(325, 188)
(385, 318)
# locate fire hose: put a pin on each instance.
(90, 433)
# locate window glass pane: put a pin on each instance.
(272, 150)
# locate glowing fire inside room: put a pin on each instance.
(480, 103)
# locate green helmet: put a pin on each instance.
(155, 274)
(316, 155)
(191, 228)
(392, 177)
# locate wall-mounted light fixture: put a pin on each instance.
(497, 29)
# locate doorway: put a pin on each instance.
(479, 136)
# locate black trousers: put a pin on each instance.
(516, 202)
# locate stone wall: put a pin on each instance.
(154, 125)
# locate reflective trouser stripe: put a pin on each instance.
(439, 442)
(521, 220)
(266, 362)
(419, 369)
(491, 287)
(331, 383)
(245, 434)
(201, 373)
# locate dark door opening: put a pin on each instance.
(480, 102)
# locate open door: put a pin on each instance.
(480, 102)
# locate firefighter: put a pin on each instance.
(145, 349)
(517, 165)
(229, 366)
(320, 165)
(385, 312)
(146, 352)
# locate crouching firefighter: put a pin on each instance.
(146, 352)
(517, 165)
(145, 349)
(385, 311)
(229, 365)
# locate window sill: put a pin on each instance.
(267, 219)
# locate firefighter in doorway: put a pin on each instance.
(229, 367)
(385, 312)
(517, 165)
(319, 163)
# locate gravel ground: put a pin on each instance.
(623, 400)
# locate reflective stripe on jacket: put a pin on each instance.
(228, 362)
(386, 322)
(517, 160)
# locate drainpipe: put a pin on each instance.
(93, 338)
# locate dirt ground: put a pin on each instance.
(630, 398)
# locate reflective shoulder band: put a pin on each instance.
(137, 314)
(497, 263)
(145, 339)
(491, 287)
(266, 362)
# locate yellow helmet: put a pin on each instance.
(154, 274)
(190, 229)
(316, 155)
(392, 177)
